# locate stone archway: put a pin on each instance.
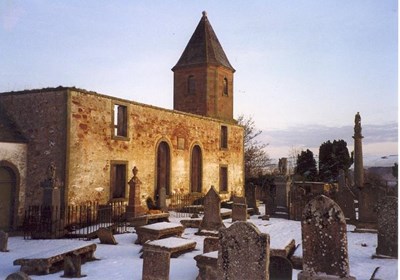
(8, 184)
(196, 170)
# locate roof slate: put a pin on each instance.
(203, 48)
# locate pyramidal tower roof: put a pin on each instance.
(203, 48)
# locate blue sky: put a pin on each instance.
(303, 68)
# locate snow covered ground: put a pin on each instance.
(122, 261)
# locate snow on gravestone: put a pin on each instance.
(212, 220)
(244, 252)
(324, 236)
(387, 227)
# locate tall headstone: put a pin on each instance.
(387, 227)
(358, 154)
(156, 264)
(280, 268)
(134, 208)
(244, 252)
(3, 241)
(250, 193)
(212, 220)
(324, 240)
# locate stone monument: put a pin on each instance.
(212, 220)
(134, 208)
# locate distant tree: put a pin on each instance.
(306, 166)
(395, 170)
(255, 156)
(333, 156)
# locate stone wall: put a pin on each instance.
(92, 148)
(40, 115)
(15, 154)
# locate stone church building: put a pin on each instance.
(95, 140)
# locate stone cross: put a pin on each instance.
(244, 252)
(324, 240)
(212, 220)
(3, 241)
(387, 227)
(280, 268)
(156, 264)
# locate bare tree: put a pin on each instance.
(256, 158)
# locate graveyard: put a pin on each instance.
(123, 260)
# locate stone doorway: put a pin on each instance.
(8, 183)
(163, 169)
(196, 170)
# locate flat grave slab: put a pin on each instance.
(52, 260)
(175, 245)
(157, 231)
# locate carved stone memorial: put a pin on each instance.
(387, 227)
(212, 220)
(250, 190)
(239, 209)
(244, 252)
(156, 264)
(324, 240)
(106, 236)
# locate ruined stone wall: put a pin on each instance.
(16, 155)
(41, 117)
(92, 147)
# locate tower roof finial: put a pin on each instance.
(204, 13)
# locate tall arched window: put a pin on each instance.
(191, 84)
(196, 170)
(225, 92)
(163, 168)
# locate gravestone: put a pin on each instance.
(3, 241)
(155, 264)
(387, 227)
(250, 193)
(18, 276)
(212, 220)
(280, 268)
(210, 244)
(239, 209)
(324, 240)
(368, 197)
(162, 199)
(345, 198)
(244, 252)
(106, 236)
(72, 266)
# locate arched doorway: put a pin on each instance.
(163, 169)
(8, 182)
(196, 170)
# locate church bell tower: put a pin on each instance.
(203, 76)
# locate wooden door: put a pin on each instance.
(196, 170)
(163, 168)
(7, 190)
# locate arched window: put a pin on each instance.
(191, 85)
(196, 170)
(225, 92)
(163, 169)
